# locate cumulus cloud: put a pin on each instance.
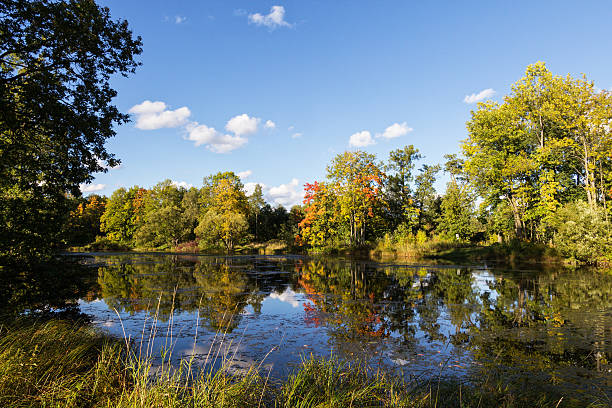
(214, 140)
(296, 135)
(90, 188)
(183, 184)
(286, 195)
(361, 139)
(395, 130)
(242, 125)
(275, 19)
(179, 19)
(244, 174)
(155, 115)
(484, 94)
(249, 187)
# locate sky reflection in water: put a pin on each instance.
(552, 329)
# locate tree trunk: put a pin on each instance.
(518, 222)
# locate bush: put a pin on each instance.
(582, 233)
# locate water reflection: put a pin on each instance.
(550, 331)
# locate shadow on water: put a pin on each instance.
(549, 331)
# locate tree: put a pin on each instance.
(84, 221)
(456, 218)
(356, 180)
(56, 62)
(124, 213)
(399, 176)
(164, 221)
(319, 226)
(224, 211)
(425, 198)
(546, 145)
(582, 232)
(256, 203)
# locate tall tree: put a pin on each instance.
(425, 198)
(398, 184)
(56, 63)
(356, 180)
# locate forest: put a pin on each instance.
(536, 169)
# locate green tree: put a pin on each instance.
(256, 203)
(425, 198)
(457, 215)
(546, 145)
(224, 211)
(582, 232)
(165, 222)
(123, 215)
(398, 185)
(56, 63)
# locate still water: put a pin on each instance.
(551, 329)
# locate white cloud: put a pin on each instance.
(291, 127)
(155, 115)
(484, 94)
(296, 135)
(275, 19)
(249, 188)
(242, 125)
(244, 174)
(361, 139)
(90, 188)
(215, 141)
(179, 19)
(183, 184)
(395, 130)
(287, 195)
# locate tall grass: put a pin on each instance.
(66, 364)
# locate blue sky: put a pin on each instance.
(276, 89)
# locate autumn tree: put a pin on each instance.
(224, 211)
(356, 180)
(84, 221)
(320, 224)
(56, 63)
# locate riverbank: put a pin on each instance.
(71, 364)
(440, 251)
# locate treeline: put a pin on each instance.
(539, 165)
(535, 168)
(219, 215)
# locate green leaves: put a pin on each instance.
(56, 62)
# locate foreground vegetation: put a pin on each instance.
(59, 363)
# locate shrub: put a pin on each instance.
(582, 233)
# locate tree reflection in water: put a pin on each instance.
(550, 330)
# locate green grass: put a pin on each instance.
(62, 364)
